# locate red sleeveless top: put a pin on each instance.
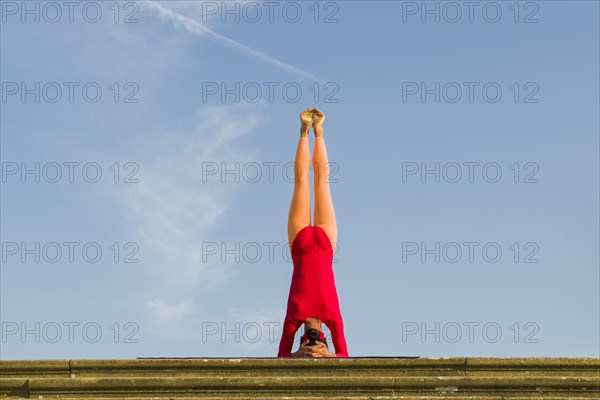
(312, 291)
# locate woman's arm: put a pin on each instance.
(287, 337)
(337, 334)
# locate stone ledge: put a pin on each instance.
(273, 378)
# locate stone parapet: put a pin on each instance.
(326, 378)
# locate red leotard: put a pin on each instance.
(312, 291)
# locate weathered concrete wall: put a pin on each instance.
(326, 378)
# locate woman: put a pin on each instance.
(313, 297)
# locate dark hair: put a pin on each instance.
(320, 322)
(323, 341)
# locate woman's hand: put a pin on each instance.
(319, 350)
(302, 351)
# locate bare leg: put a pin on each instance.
(299, 215)
(324, 213)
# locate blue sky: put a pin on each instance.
(206, 282)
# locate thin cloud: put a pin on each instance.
(175, 212)
(197, 28)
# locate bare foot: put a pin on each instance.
(306, 118)
(317, 117)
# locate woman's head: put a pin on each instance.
(314, 323)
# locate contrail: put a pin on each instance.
(197, 28)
